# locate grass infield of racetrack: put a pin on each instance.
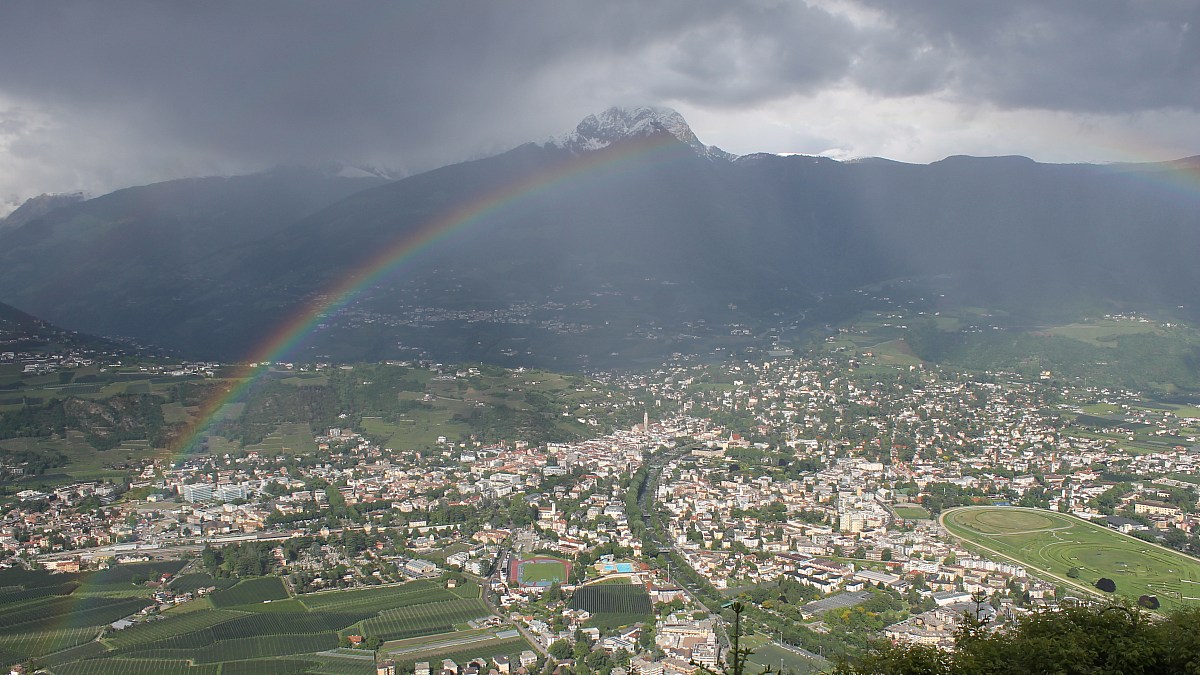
(1049, 544)
(541, 571)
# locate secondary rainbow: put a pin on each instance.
(407, 246)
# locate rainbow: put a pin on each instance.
(1179, 177)
(285, 338)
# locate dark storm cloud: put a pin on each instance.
(171, 86)
(1095, 56)
(320, 79)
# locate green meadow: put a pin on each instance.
(769, 654)
(1049, 544)
(911, 512)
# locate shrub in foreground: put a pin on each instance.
(1091, 640)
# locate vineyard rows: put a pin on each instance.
(403, 622)
(135, 667)
(248, 648)
(332, 664)
(281, 637)
(69, 610)
(387, 597)
(612, 599)
(47, 641)
(486, 650)
(614, 605)
(255, 626)
(168, 627)
(250, 591)
(271, 667)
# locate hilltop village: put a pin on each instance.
(806, 488)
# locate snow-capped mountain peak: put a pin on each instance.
(36, 207)
(618, 123)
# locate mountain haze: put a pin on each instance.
(118, 263)
(21, 332)
(36, 207)
(615, 241)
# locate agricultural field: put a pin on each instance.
(341, 662)
(1050, 544)
(197, 580)
(291, 437)
(152, 631)
(613, 605)
(430, 642)
(476, 649)
(42, 613)
(411, 621)
(1134, 424)
(42, 617)
(1105, 332)
(378, 599)
(250, 591)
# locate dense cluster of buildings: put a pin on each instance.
(788, 468)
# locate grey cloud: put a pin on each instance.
(177, 86)
(1095, 56)
(278, 81)
(757, 55)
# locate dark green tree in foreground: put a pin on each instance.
(738, 658)
(1092, 640)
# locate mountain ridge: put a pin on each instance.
(36, 207)
(674, 236)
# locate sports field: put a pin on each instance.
(1049, 544)
(911, 512)
(541, 571)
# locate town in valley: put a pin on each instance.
(807, 488)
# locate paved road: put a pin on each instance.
(484, 582)
(158, 550)
(653, 475)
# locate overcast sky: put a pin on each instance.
(101, 95)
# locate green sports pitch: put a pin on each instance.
(541, 571)
(1049, 544)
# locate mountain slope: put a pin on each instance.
(22, 332)
(113, 264)
(628, 235)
